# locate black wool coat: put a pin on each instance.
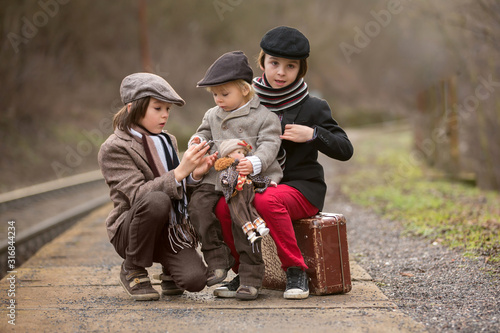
(302, 169)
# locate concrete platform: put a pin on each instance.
(71, 285)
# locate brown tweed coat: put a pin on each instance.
(125, 169)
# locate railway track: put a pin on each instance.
(39, 213)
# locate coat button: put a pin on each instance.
(240, 130)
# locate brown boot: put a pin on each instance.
(138, 285)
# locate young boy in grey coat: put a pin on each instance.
(237, 115)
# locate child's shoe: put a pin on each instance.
(228, 290)
(297, 284)
(216, 276)
(262, 230)
(252, 237)
(247, 293)
(138, 285)
(168, 286)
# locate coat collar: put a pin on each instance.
(135, 142)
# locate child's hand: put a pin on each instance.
(297, 133)
(206, 163)
(192, 158)
(273, 184)
(245, 167)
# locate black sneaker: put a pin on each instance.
(228, 290)
(297, 284)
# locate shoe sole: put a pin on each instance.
(301, 295)
(143, 297)
(246, 297)
(224, 293)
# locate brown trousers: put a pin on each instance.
(143, 239)
(216, 253)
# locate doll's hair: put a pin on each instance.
(302, 64)
(124, 119)
(242, 84)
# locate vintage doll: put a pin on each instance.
(239, 190)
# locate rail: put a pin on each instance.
(28, 241)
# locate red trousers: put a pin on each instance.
(278, 206)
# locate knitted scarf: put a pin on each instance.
(277, 100)
(280, 100)
(162, 158)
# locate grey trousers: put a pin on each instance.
(143, 239)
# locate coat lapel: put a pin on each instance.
(135, 144)
(290, 116)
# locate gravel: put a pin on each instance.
(438, 287)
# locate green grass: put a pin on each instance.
(387, 176)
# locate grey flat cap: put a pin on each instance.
(228, 67)
(139, 85)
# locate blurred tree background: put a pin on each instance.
(62, 61)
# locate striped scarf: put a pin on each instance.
(162, 157)
(277, 100)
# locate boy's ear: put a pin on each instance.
(245, 91)
(129, 105)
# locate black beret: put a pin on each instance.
(285, 42)
(230, 66)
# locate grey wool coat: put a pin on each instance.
(253, 123)
(125, 168)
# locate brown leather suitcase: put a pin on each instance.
(322, 240)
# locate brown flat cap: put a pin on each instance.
(140, 85)
(230, 66)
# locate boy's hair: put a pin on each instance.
(302, 64)
(240, 83)
(124, 119)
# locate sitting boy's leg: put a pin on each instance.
(224, 216)
(251, 269)
(279, 206)
(201, 211)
